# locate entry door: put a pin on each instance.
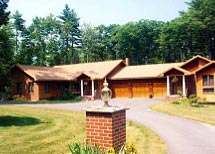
(175, 85)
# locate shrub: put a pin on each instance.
(67, 95)
(193, 99)
(179, 92)
(18, 98)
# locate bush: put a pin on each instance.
(193, 100)
(18, 98)
(67, 95)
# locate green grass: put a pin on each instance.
(31, 130)
(46, 101)
(204, 113)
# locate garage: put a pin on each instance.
(140, 90)
(159, 90)
(120, 90)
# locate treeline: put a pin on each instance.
(55, 40)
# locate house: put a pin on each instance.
(35, 83)
(195, 76)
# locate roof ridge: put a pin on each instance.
(87, 63)
(33, 66)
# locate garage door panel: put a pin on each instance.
(159, 90)
(120, 91)
(140, 89)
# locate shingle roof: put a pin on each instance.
(96, 70)
(143, 71)
(45, 73)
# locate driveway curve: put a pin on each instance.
(182, 136)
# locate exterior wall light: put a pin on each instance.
(106, 94)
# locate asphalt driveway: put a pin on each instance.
(182, 136)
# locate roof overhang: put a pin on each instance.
(175, 71)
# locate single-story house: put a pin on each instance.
(195, 76)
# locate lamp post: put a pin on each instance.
(106, 94)
(106, 125)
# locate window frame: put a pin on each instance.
(208, 84)
(30, 87)
(19, 88)
(46, 88)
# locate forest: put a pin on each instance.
(61, 39)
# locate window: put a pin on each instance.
(19, 88)
(63, 87)
(208, 84)
(76, 87)
(47, 88)
(30, 87)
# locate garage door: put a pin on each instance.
(159, 90)
(120, 90)
(140, 90)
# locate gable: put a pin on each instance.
(173, 72)
(195, 63)
(208, 69)
(18, 74)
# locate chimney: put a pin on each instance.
(127, 61)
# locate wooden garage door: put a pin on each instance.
(140, 90)
(121, 90)
(159, 90)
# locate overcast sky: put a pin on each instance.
(97, 12)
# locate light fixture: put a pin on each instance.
(106, 93)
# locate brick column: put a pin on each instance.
(106, 127)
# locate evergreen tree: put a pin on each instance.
(4, 15)
(6, 45)
(18, 25)
(70, 34)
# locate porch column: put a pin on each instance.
(82, 88)
(183, 86)
(167, 86)
(92, 88)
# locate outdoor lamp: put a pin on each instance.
(106, 94)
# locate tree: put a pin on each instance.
(6, 45)
(137, 41)
(70, 33)
(18, 25)
(4, 15)
(52, 31)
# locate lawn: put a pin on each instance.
(30, 130)
(203, 113)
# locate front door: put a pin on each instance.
(175, 85)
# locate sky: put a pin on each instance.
(97, 12)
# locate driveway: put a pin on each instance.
(182, 136)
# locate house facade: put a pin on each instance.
(195, 76)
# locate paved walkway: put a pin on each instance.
(182, 136)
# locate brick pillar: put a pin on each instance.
(106, 127)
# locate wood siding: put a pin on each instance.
(210, 97)
(20, 77)
(195, 64)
